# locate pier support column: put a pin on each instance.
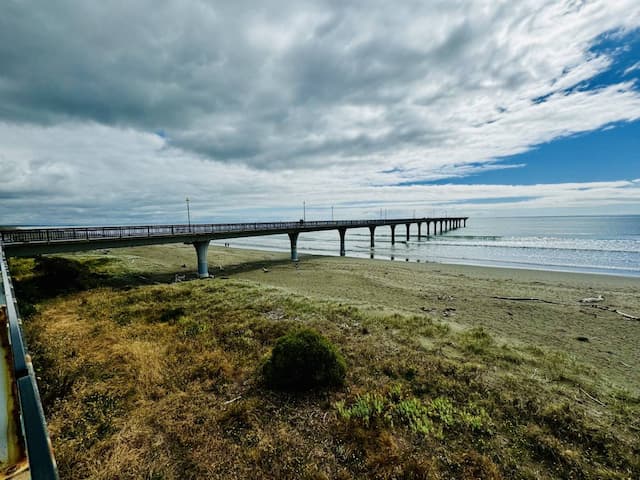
(465, 222)
(201, 251)
(419, 230)
(372, 230)
(441, 222)
(342, 232)
(293, 238)
(408, 225)
(393, 234)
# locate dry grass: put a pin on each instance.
(161, 382)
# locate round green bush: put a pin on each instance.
(302, 360)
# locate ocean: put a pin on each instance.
(590, 244)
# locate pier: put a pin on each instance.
(38, 241)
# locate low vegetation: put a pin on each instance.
(304, 360)
(174, 381)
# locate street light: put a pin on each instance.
(332, 213)
(304, 211)
(188, 214)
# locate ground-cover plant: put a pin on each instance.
(397, 408)
(302, 360)
(158, 380)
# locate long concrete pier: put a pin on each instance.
(36, 241)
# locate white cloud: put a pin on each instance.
(263, 107)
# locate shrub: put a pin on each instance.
(302, 360)
(56, 274)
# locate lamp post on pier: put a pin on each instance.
(188, 214)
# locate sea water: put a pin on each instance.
(593, 244)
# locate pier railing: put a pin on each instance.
(34, 429)
(55, 234)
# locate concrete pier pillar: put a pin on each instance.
(465, 222)
(201, 251)
(408, 225)
(342, 232)
(393, 234)
(293, 238)
(441, 222)
(419, 230)
(428, 229)
(372, 230)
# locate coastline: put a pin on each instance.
(509, 265)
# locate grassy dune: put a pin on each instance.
(145, 378)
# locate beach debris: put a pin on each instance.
(593, 398)
(179, 278)
(446, 297)
(597, 299)
(583, 339)
(105, 252)
(614, 310)
(184, 265)
(232, 400)
(528, 299)
(449, 311)
(265, 270)
(626, 315)
(277, 314)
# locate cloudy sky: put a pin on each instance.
(114, 112)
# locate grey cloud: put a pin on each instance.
(206, 74)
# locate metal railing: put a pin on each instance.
(34, 428)
(67, 234)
